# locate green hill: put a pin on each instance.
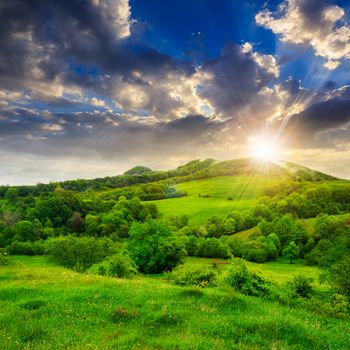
(138, 170)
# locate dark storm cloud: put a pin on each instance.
(235, 78)
(321, 116)
(323, 124)
(48, 34)
(190, 124)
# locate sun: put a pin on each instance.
(264, 149)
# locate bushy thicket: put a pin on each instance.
(187, 275)
(26, 248)
(118, 265)
(301, 286)
(4, 261)
(245, 281)
(79, 253)
(154, 247)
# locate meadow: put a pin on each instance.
(44, 306)
(215, 196)
(100, 264)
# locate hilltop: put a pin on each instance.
(195, 169)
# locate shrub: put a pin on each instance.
(154, 247)
(301, 286)
(193, 275)
(78, 253)
(26, 248)
(213, 248)
(245, 281)
(258, 255)
(4, 260)
(118, 265)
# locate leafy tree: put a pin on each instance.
(77, 223)
(12, 194)
(229, 226)
(154, 247)
(25, 230)
(53, 209)
(291, 252)
(338, 275)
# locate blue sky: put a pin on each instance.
(90, 88)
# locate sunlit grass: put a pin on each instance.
(44, 306)
(216, 196)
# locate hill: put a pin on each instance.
(138, 170)
(193, 170)
(215, 196)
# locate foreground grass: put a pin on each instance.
(44, 306)
(216, 196)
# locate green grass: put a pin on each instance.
(44, 306)
(242, 189)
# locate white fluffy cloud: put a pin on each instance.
(313, 23)
(117, 13)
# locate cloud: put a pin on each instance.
(323, 124)
(97, 102)
(231, 81)
(313, 23)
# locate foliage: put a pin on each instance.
(338, 276)
(78, 253)
(26, 248)
(4, 260)
(246, 281)
(154, 247)
(301, 286)
(187, 275)
(291, 252)
(118, 265)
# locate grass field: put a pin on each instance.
(210, 196)
(44, 306)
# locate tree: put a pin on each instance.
(25, 230)
(77, 223)
(229, 226)
(154, 247)
(11, 194)
(291, 252)
(338, 276)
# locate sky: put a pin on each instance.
(90, 88)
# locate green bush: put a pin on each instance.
(118, 265)
(245, 281)
(26, 248)
(257, 255)
(193, 275)
(4, 260)
(79, 253)
(301, 286)
(154, 247)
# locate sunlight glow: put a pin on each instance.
(264, 149)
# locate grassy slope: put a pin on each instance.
(241, 189)
(44, 306)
